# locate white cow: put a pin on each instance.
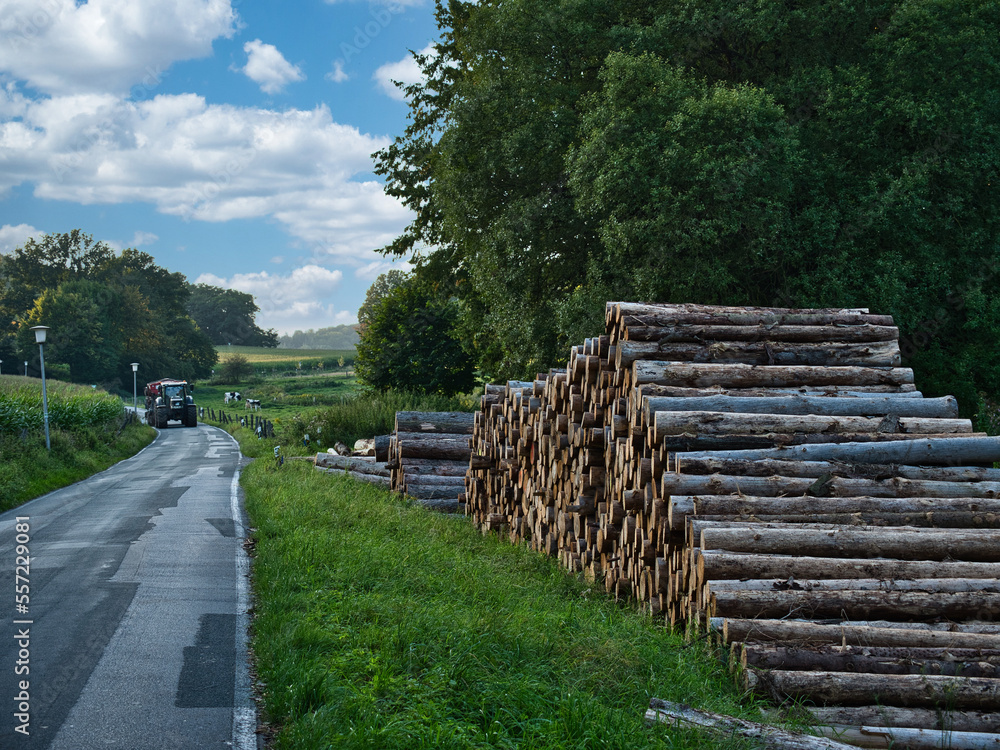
(232, 396)
(253, 404)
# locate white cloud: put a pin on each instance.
(62, 46)
(267, 67)
(12, 236)
(371, 271)
(143, 238)
(303, 299)
(205, 162)
(405, 71)
(337, 75)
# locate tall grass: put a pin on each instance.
(87, 435)
(365, 415)
(69, 407)
(379, 624)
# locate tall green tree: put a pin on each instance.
(566, 153)
(410, 341)
(105, 309)
(228, 316)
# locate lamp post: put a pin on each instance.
(135, 367)
(25, 368)
(1, 367)
(40, 332)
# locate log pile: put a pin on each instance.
(429, 455)
(772, 475)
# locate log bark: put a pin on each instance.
(769, 737)
(435, 422)
(381, 480)
(432, 466)
(816, 469)
(920, 718)
(441, 505)
(849, 634)
(872, 354)
(716, 444)
(433, 492)
(719, 484)
(382, 447)
(945, 407)
(968, 512)
(872, 660)
(716, 564)
(909, 605)
(449, 448)
(957, 451)
(910, 738)
(433, 479)
(752, 376)
(667, 423)
(901, 543)
(628, 314)
(925, 585)
(689, 333)
(829, 391)
(357, 465)
(892, 690)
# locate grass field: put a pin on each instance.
(379, 624)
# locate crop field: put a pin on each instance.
(288, 359)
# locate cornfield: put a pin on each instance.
(70, 408)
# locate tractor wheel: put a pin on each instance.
(191, 415)
(161, 417)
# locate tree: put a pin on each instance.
(235, 368)
(563, 154)
(383, 286)
(105, 310)
(410, 342)
(227, 316)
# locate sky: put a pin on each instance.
(229, 139)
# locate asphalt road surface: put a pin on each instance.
(134, 634)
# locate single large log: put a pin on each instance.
(945, 407)
(925, 585)
(792, 333)
(349, 463)
(719, 484)
(946, 520)
(873, 660)
(721, 443)
(627, 314)
(417, 445)
(440, 504)
(428, 479)
(382, 447)
(829, 391)
(434, 492)
(957, 451)
(381, 480)
(753, 376)
(816, 469)
(873, 354)
(894, 716)
(966, 512)
(769, 737)
(436, 422)
(910, 605)
(666, 423)
(901, 543)
(717, 564)
(910, 738)
(849, 634)
(893, 690)
(432, 466)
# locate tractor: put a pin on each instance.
(167, 400)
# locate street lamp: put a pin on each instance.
(135, 367)
(25, 368)
(40, 332)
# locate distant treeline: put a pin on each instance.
(334, 337)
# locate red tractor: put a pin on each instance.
(168, 399)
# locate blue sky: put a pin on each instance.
(230, 139)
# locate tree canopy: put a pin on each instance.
(105, 310)
(409, 341)
(227, 316)
(562, 154)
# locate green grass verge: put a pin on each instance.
(92, 441)
(378, 624)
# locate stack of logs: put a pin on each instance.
(775, 476)
(426, 458)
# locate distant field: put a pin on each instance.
(287, 358)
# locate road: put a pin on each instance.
(135, 632)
